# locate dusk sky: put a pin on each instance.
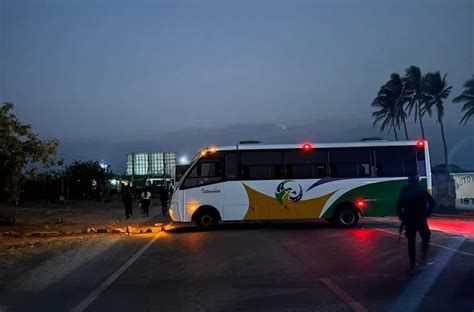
(112, 77)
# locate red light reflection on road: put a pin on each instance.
(363, 247)
(363, 235)
(456, 227)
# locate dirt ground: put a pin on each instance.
(21, 254)
(73, 216)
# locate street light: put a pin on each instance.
(183, 160)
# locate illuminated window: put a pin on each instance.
(152, 164)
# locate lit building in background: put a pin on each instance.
(152, 168)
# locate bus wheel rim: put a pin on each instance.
(347, 217)
(206, 220)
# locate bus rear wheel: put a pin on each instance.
(347, 217)
(206, 220)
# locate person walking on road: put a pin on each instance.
(145, 202)
(127, 202)
(164, 197)
(414, 206)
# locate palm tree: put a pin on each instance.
(414, 81)
(391, 100)
(398, 92)
(437, 90)
(466, 97)
(387, 113)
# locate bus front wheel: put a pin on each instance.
(347, 217)
(206, 220)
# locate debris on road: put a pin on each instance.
(88, 230)
(15, 234)
(45, 234)
(11, 233)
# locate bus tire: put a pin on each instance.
(206, 218)
(347, 216)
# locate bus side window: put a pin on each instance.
(421, 162)
(349, 162)
(261, 165)
(396, 161)
(301, 164)
(231, 166)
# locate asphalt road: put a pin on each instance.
(266, 267)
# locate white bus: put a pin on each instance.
(338, 182)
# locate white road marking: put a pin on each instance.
(415, 293)
(82, 306)
(431, 243)
(344, 296)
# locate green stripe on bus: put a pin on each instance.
(381, 198)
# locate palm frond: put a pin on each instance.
(466, 97)
(467, 115)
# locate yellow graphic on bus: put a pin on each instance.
(264, 207)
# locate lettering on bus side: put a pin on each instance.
(208, 191)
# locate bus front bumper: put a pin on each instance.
(174, 212)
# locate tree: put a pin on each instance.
(20, 148)
(83, 178)
(397, 91)
(437, 90)
(414, 81)
(466, 97)
(391, 100)
(45, 185)
(387, 113)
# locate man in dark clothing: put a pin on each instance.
(414, 206)
(127, 202)
(164, 196)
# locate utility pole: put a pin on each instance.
(164, 172)
(133, 169)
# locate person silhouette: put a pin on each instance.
(127, 201)
(145, 201)
(414, 206)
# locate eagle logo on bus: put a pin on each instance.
(288, 190)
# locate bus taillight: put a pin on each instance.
(420, 143)
(307, 147)
(361, 203)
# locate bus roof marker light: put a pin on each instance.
(306, 147)
(213, 149)
(203, 153)
(420, 143)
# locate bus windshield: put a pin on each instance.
(193, 163)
